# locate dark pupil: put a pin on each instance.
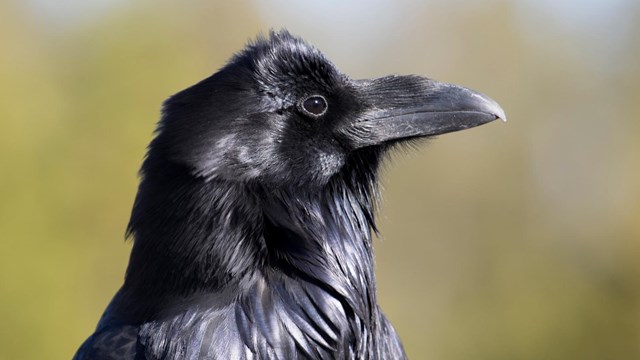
(315, 105)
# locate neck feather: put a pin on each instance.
(196, 236)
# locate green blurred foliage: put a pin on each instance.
(516, 241)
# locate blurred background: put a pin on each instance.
(509, 241)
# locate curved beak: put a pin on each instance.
(404, 107)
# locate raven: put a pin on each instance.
(253, 221)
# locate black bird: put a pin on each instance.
(252, 223)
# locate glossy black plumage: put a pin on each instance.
(253, 219)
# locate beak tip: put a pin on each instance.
(497, 110)
(489, 105)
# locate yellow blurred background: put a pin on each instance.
(510, 241)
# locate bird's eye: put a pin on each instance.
(315, 105)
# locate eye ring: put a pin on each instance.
(314, 106)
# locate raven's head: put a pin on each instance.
(260, 186)
(281, 113)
